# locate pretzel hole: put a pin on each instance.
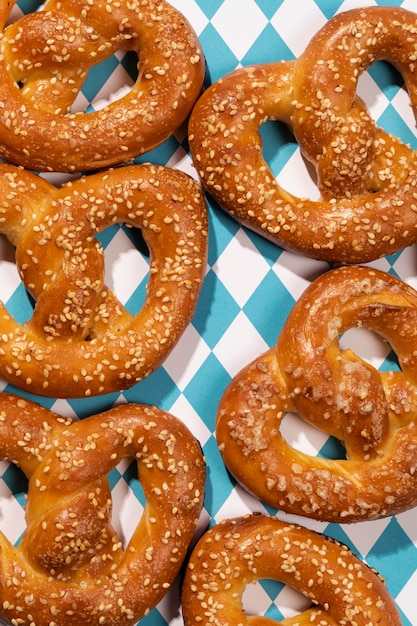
(126, 256)
(310, 440)
(128, 499)
(12, 291)
(283, 155)
(273, 599)
(126, 263)
(122, 71)
(370, 347)
(13, 490)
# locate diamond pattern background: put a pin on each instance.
(249, 289)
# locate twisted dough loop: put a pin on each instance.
(241, 551)
(372, 413)
(70, 566)
(49, 54)
(366, 177)
(81, 340)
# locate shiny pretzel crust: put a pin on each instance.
(45, 57)
(241, 551)
(81, 340)
(373, 413)
(71, 567)
(366, 177)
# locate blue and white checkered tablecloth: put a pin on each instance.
(250, 287)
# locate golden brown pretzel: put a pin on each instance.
(49, 53)
(367, 178)
(81, 340)
(373, 413)
(70, 566)
(241, 551)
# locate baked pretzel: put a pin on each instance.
(45, 57)
(70, 566)
(241, 551)
(372, 413)
(366, 177)
(81, 340)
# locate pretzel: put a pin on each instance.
(45, 57)
(70, 566)
(372, 413)
(366, 177)
(241, 551)
(81, 340)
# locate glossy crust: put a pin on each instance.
(366, 177)
(45, 57)
(241, 551)
(70, 566)
(373, 413)
(81, 340)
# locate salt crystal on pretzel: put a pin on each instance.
(71, 567)
(81, 340)
(372, 413)
(367, 178)
(240, 551)
(45, 57)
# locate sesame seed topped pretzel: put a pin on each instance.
(45, 57)
(239, 552)
(70, 567)
(373, 413)
(81, 340)
(366, 177)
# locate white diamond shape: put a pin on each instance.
(127, 510)
(401, 102)
(187, 357)
(291, 602)
(240, 502)
(296, 272)
(407, 521)
(364, 534)
(371, 94)
(255, 600)
(405, 266)
(240, 344)
(192, 13)
(12, 515)
(248, 22)
(125, 267)
(295, 31)
(9, 276)
(302, 436)
(406, 599)
(298, 177)
(185, 412)
(366, 344)
(354, 4)
(241, 268)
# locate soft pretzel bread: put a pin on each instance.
(70, 566)
(366, 177)
(372, 413)
(241, 551)
(81, 340)
(49, 54)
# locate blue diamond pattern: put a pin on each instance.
(393, 551)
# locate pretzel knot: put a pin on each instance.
(45, 57)
(373, 413)
(366, 177)
(70, 566)
(240, 551)
(81, 340)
